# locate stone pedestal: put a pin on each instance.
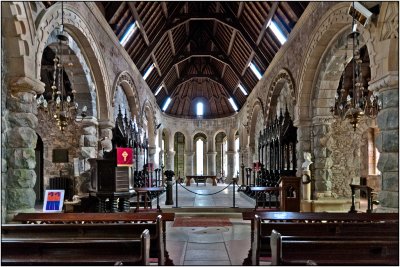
(306, 185)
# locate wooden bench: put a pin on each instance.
(334, 250)
(71, 251)
(118, 222)
(317, 224)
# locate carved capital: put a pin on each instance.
(389, 81)
(26, 84)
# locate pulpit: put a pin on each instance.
(110, 184)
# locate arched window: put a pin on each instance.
(199, 157)
(199, 109)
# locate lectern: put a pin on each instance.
(290, 193)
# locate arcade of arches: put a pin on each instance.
(302, 78)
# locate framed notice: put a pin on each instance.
(53, 201)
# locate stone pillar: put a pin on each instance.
(18, 147)
(88, 140)
(189, 163)
(169, 161)
(88, 144)
(303, 143)
(387, 142)
(230, 155)
(105, 135)
(152, 154)
(243, 160)
(211, 166)
(322, 156)
(160, 158)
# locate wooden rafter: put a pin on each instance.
(228, 61)
(262, 32)
(231, 17)
(138, 22)
(159, 37)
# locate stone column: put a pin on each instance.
(189, 163)
(303, 143)
(322, 155)
(230, 155)
(243, 160)
(211, 166)
(387, 142)
(88, 140)
(152, 154)
(88, 144)
(105, 135)
(169, 161)
(18, 147)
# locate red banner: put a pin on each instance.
(124, 156)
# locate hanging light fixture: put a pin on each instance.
(357, 101)
(61, 107)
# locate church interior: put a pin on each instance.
(231, 127)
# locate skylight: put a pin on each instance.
(242, 89)
(199, 109)
(233, 104)
(158, 90)
(255, 70)
(278, 33)
(148, 71)
(166, 104)
(128, 34)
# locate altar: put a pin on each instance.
(201, 178)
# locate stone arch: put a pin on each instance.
(77, 27)
(333, 23)
(282, 78)
(256, 111)
(125, 80)
(217, 132)
(148, 115)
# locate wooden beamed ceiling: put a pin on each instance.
(202, 50)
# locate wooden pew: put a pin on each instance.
(318, 224)
(140, 221)
(70, 251)
(334, 250)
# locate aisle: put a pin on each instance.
(223, 237)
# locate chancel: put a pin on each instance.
(214, 132)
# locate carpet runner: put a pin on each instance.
(201, 222)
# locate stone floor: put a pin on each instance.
(227, 245)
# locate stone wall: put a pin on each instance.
(54, 138)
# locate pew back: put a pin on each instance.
(84, 251)
(317, 224)
(102, 225)
(334, 250)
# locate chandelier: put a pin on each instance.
(61, 106)
(355, 101)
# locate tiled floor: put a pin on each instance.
(227, 245)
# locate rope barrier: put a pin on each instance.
(209, 194)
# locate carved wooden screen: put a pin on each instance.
(277, 146)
